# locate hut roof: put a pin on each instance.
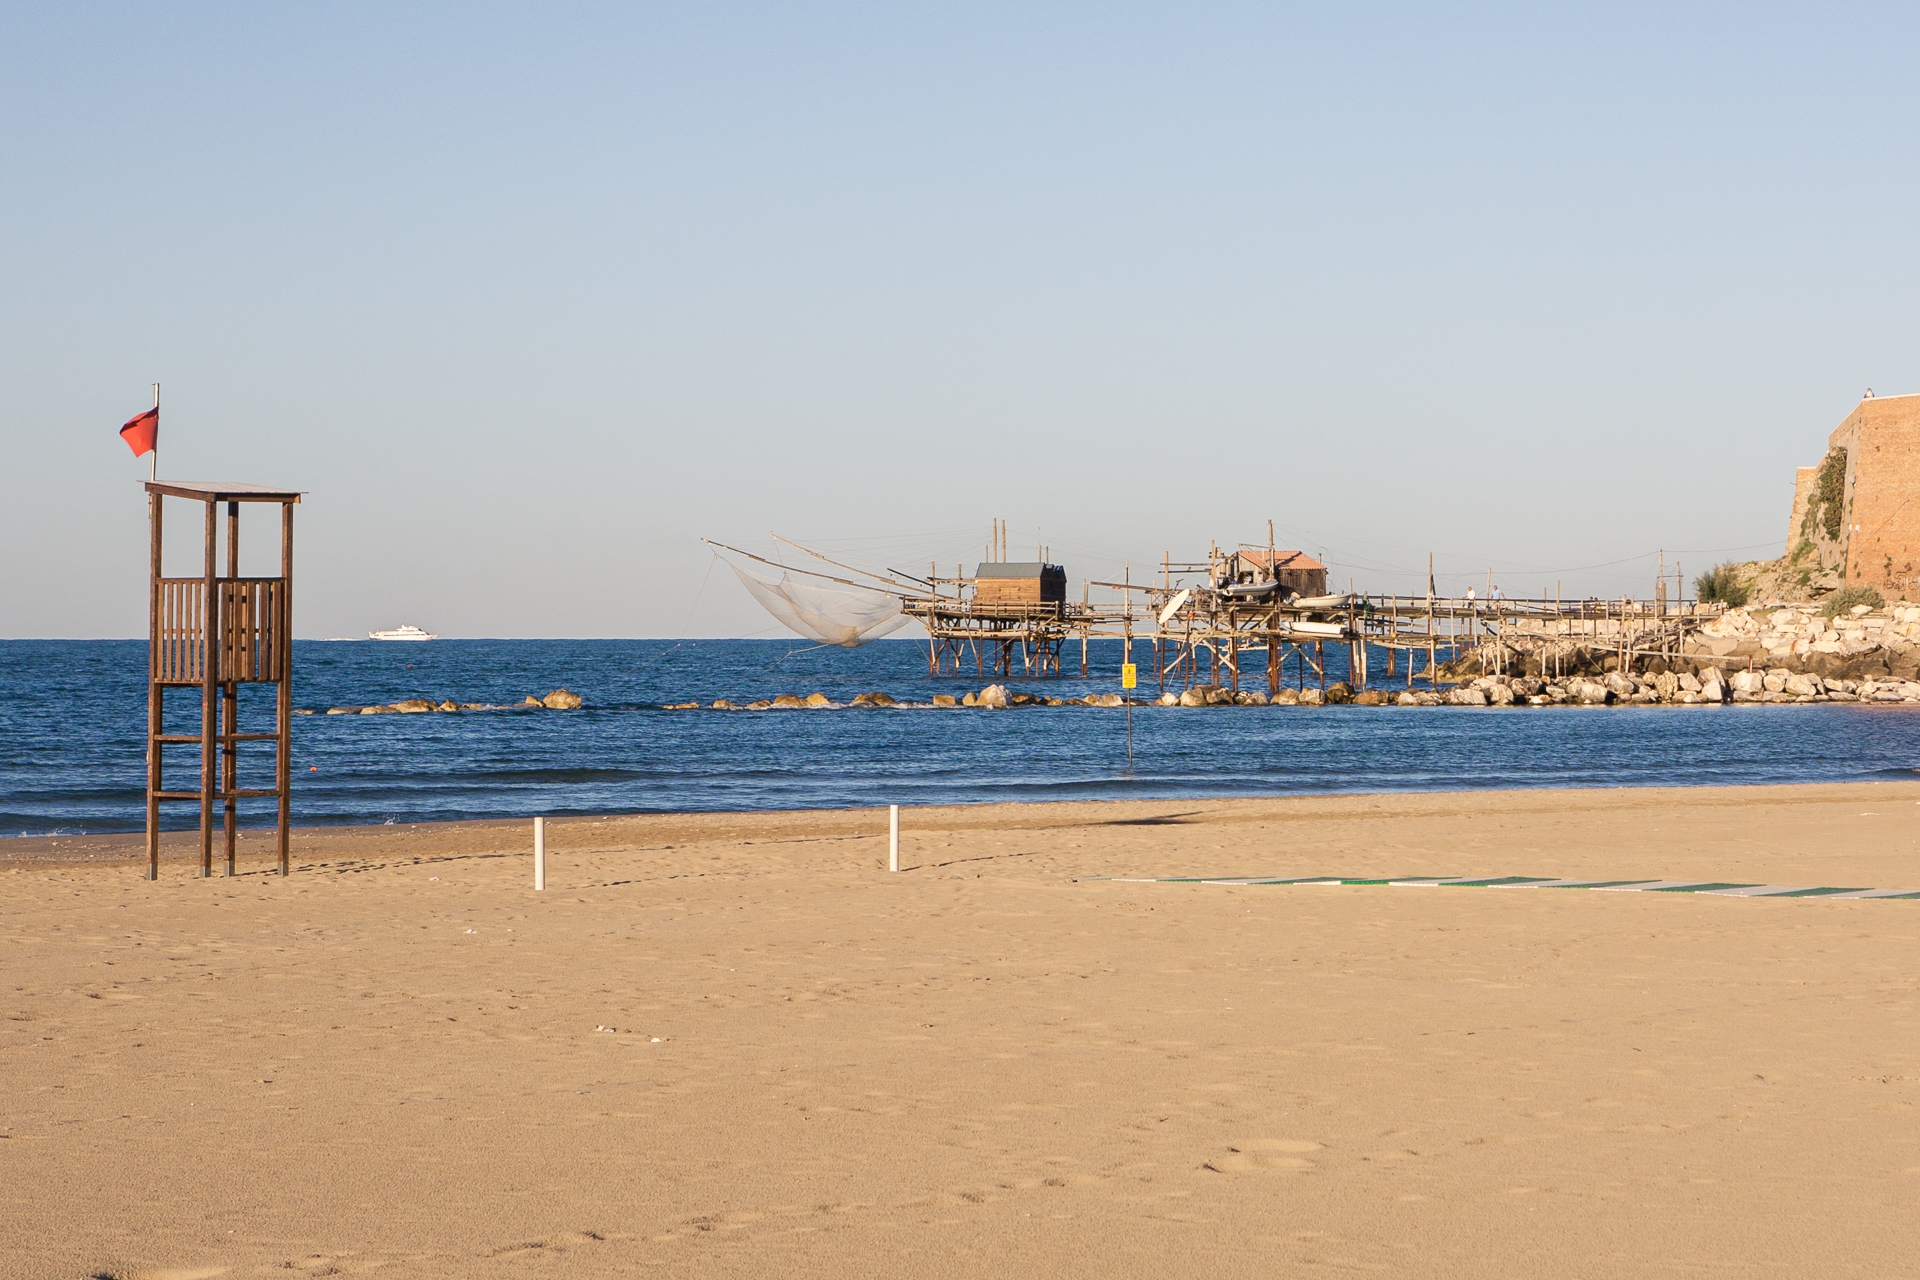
(1016, 569)
(1281, 559)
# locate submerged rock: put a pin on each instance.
(411, 706)
(561, 700)
(788, 700)
(946, 700)
(817, 700)
(874, 699)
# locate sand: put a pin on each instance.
(736, 1046)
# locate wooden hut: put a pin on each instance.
(1297, 571)
(1019, 583)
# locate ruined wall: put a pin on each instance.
(1882, 529)
(1856, 516)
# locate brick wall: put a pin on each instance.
(1881, 513)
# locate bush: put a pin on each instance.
(1823, 505)
(1846, 598)
(1721, 584)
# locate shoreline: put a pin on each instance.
(329, 844)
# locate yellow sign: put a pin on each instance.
(1128, 680)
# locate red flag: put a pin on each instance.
(143, 432)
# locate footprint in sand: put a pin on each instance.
(1265, 1155)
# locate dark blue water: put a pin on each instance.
(72, 715)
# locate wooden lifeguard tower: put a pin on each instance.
(245, 625)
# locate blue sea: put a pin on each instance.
(72, 718)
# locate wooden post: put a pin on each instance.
(209, 690)
(156, 704)
(893, 837)
(283, 726)
(229, 690)
(539, 854)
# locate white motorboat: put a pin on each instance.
(407, 632)
(1317, 630)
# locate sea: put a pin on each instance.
(73, 714)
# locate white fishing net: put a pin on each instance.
(830, 615)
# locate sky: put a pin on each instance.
(531, 299)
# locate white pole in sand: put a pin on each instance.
(893, 837)
(539, 854)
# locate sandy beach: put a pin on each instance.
(734, 1045)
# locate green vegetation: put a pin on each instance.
(1800, 552)
(1847, 597)
(1829, 487)
(1721, 584)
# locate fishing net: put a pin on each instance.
(830, 615)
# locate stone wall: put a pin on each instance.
(1882, 515)
(1877, 543)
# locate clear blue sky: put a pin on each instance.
(531, 298)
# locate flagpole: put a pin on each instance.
(153, 454)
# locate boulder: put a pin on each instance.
(1024, 699)
(1408, 699)
(1803, 685)
(1689, 683)
(1712, 690)
(680, 706)
(1748, 681)
(762, 705)
(1286, 698)
(1311, 698)
(412, 706)
(1667, 685)
(1622, 686)
(946, 700)
(1339, 692)
(817, 700)
(533, 702)
(448, 705)
(1250, 698)
(1167, 700)
(789, 700)
(1589, 691)
(1467, 697)
(1500, 695)
(994, 695)
(1105, 700)
(377, 711)
(1773, 682)
(1370, 698)
(1195, 697)
(721, 704)
(344, 711)
(875, 699)
(560, 700)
